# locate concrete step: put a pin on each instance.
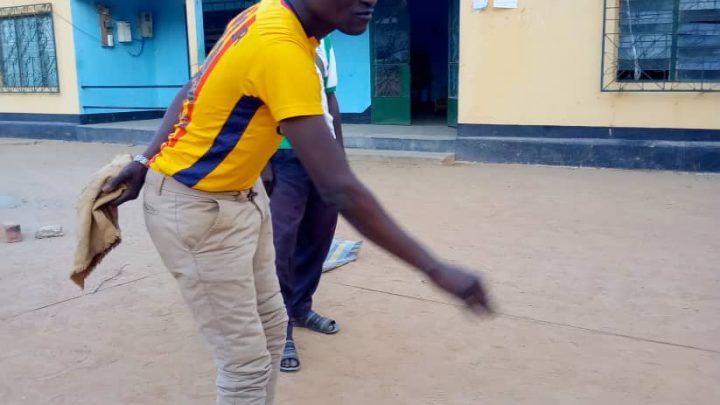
(583, 152)
(428, 138)
(38, 130)
(418, 143)
(423, 139)
(375, 155)
(117, 132)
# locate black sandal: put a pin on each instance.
(317, 323)
(290, 362)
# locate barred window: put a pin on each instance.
(665, 45)
(28, 62)
(231, 5)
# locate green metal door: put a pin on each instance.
(390, 39)
(453, 63)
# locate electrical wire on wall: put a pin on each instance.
(142, 48)
(96, 38)
(62, 18)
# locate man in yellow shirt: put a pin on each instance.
(206, 210)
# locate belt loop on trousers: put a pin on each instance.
(251, 194)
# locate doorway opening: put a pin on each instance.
(216, 16)
(429, 53)
(415, 62)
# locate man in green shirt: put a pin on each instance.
(303, 225)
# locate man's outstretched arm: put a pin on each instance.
(325, 162)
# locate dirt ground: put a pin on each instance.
(608, 283)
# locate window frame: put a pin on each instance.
(37, 11)
(610, 82)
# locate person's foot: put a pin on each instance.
(317, 323)
(290, 362)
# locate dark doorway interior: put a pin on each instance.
(214, 23)
(216, 16)
(429, 53)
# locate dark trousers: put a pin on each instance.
(303, 229)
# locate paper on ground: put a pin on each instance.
(341, 253)
(506, 3)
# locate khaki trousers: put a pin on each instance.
(219, 248)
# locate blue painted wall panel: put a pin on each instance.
(158, 61)
(353, 59)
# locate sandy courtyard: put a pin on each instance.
(608, 283)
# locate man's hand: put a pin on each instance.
(133, 174)
(466, 286)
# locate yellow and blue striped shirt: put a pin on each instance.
(261, 72)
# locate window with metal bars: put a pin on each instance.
(223, 5)
(661, 45)
(28, 62)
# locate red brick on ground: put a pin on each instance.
(10, 232)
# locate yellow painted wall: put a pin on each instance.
(66, 101)
(540, 65)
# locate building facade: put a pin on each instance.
(617, 83)
(67, 59)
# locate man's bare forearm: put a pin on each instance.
(168, 122)
(325, 163)
(359, 207)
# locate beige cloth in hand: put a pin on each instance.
(98, 231)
